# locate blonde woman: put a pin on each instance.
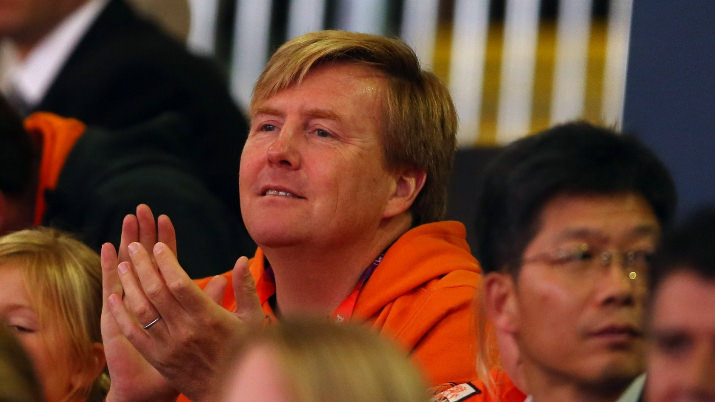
(51, 297)
(312, 360)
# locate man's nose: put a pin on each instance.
(619, 286)
(283, 151)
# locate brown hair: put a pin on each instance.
(420, 122)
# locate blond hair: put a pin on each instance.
(64, 281)
(420, 121)
(488, 357)
(325, 361)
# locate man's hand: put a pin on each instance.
(133, 378)
(186, 343)
(142, 228)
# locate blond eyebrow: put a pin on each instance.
(266, 110)
(323, 114)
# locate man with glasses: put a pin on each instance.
(566, 224)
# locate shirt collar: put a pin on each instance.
(631, 394)
(31, 77)
(634, 391)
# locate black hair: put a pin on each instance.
(690, 246)
(575, 158)
(17, 152)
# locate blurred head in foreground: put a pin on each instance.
(306, 360)
(681, 353)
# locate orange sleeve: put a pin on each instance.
(446, 350)
(57, 136)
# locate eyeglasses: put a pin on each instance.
(582, 259)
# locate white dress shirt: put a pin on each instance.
(30, 78)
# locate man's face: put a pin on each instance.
(580, 319)
(29, 20)
(312, 169)
(681, 355)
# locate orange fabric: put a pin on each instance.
(505, 389)
(58, 136)
(420, 295)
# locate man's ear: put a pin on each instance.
(91, 369)
(501, 304)
(408, 184)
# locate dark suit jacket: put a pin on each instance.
(108, 173)
(125, 71)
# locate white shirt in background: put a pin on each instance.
(31, 78)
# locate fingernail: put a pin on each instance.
(133, 247)
(159, 248)
(123, 267)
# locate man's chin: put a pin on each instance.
(616, 375)
(272, 239)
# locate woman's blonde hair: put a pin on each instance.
(420, 121)
(64, 280)
(325, 361)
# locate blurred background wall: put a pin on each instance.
(512, 66)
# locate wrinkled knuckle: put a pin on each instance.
(178, 287)
(133, 336)
(153, 291)
(143, 311)
(249, 287)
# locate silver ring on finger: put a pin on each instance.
(151, 324)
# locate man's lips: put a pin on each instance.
(617, 333)
(279, 192)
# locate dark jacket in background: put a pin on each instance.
(126, 71)
(107, 173)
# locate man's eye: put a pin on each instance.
(267, 127)
(672, 344)
(579, 255)
(322, 133)
(583, 255)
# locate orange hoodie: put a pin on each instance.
(420, 295)
(58, 135)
